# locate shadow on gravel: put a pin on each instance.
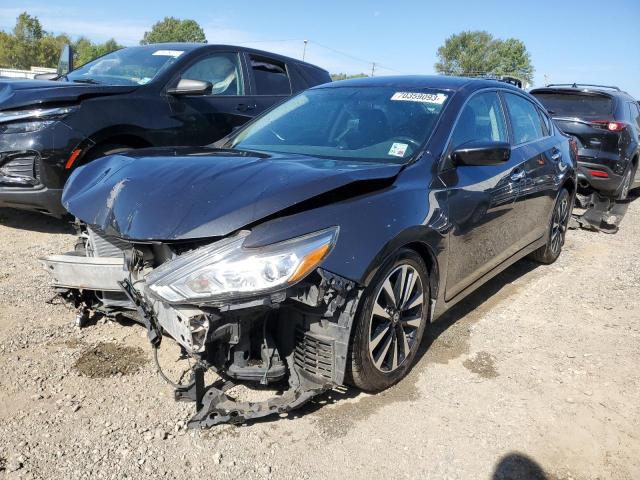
(446, 338)
(35, 222)
(516, 466)
(337, 421)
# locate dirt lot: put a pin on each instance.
(536, 376)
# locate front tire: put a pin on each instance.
(391, 323)
(550, 252)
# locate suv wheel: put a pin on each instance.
(391, 323)
(550, 252)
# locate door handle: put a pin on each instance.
(518, 175)
(243, 107)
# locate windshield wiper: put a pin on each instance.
(87, 80)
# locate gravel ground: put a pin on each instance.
(535, 376)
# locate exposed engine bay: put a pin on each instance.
(297, 336)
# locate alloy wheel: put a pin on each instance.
(396, 318)
(559, 225)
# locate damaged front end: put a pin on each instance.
(254, 316)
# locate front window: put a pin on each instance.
(222, 70)
(129, 66)
(372, 124)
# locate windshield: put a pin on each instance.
(576, 105)
(371, 123)
(129, 66)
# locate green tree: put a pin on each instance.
(85, 51)
(172, 29)
(345, 76)
(28, 45)
(514, 59)
(50, 47)
(24, 50)
(6, 46)
(474, 53)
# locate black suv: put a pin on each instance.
(154, 95)
(606, 122)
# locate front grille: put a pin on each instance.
(102, 245)
(314, 355)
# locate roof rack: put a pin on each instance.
(576, 85)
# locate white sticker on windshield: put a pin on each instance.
(436, 98)
(169, 53)
(398, 149)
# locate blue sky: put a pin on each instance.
(588, 41)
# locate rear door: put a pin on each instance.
(538, 153)
(270, 82)
(203, 119)
(481, 198)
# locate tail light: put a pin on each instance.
(609, 125)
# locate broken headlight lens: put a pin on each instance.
(227, 269)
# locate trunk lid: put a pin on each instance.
(583, 115)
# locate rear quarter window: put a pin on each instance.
(270, 76)
(577, 105)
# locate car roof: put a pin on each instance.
(190, 47)
(578, 88)
(441, 82)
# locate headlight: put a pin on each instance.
(227, 269)
(24, 127)
(35, 114)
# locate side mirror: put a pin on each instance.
(65, 64)
(45, 76)
(478, 152)
(191, 87)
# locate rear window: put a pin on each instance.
(270, 76)
(576, 105)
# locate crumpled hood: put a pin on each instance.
(189, 193)
(22, 93)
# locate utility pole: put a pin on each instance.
(373, 68)
(546, 79)
(304, 49)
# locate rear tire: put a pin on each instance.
(557, 230)
(390, 323)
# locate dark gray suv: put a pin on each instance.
(606, 122)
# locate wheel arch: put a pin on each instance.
(424, 243)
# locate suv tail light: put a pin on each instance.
(609, 125)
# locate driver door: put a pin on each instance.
(481, 198)
(203, 119)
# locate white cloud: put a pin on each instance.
(76, 23)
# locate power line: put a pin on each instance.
(375, 65)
